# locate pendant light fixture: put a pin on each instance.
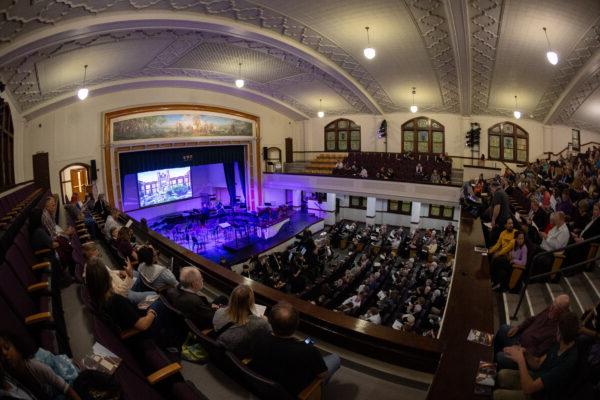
(239, 82)
(369, 52)
(516, 113)
(552, 56)
(414, 108)
(83, 92)
(321, 113)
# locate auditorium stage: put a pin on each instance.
(216, 243)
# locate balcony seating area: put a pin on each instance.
(324, 163)
(403, 166)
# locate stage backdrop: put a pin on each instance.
(227, 166)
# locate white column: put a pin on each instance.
(330, 209)
(297, 199)
(415, 216)
(370, 217)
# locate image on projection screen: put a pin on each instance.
(164, 185)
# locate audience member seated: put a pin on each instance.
(353, 303)
(237, 326)
(122, 281)
(538, 216)
(59, 235)
(547, 375)
(505, 242)
(38, 236)
(37, 379)
(555, 239)
(119, 310)
(154, 274)
(372, 315)
(124, 245)
(502, 266)
(111, 222)
(186, 297)
(101, 206)
(536, 334)
(281, 357)
(592, 229)
(435, 177)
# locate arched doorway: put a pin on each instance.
(74, 178)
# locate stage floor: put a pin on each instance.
(214, 250)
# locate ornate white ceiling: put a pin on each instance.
(469, 57)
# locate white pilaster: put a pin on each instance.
(370, 216)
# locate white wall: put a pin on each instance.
(542, 138)
(74, 133)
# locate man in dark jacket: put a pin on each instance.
(186, 298)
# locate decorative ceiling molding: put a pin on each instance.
(566, 70)
(458, 22)
(584, 125)
(20, 18)
(583, 91)
(159, 82)
(486, 19)
(430, 20)
(22, 80)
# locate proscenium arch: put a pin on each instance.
(78, 28)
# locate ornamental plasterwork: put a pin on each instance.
(22, 80)
(585, 90)
(20, 17)
(485, 21)
(430, 18)
(566, 70)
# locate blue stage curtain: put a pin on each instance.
(230, 181)
(140, 161)
(242, 173)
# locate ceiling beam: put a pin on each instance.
(458, 28)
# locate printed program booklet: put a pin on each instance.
(101, 360)
(480, 337)
(485, 380)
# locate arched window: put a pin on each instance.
(422, 135)
(7, 139)
(508, 142)
(342, 135)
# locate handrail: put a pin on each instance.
(550, 154)
(528, 277)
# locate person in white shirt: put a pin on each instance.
(364, 173)
(353, 302)
(372, 315)
(555, 239)
(111, 222)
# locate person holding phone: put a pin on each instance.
(293, 363)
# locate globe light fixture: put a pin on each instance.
(239, 82)
(83, 92)
(552, 56)
(516, 113)
(369, 52)
(320, 113)
(414, 108)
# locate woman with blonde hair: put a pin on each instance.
(237, 326)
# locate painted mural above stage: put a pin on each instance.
(190, 124)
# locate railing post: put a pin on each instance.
(523, 289)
